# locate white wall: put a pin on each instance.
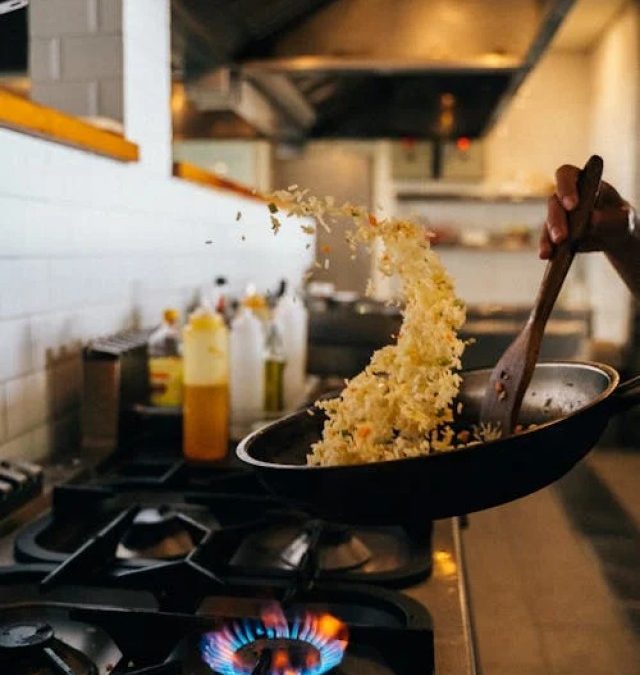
(545, 125)
(87, 246)
(146, 56)
(343, 170)
(614, 134)
(615, 81)
(572, 105)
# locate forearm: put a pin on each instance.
(626, 259)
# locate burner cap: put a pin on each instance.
(279, 655)
(331, 534)
(24, 636)
(337, 547)
(307, 645)
(154, 516)
(156, 533)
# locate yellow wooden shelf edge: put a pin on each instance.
(22, 115)
(195, 174)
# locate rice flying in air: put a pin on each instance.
(401, 405)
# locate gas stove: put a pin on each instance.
(145, 513)
(19, 482)
(238, 629)
(152, 566)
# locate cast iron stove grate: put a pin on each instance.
(145, 526)
(282, 542)
(96, 530)
(148, 472)
(71, 630)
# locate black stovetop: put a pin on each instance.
(238, 630)
(144, 512)
(153, 566)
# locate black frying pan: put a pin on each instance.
(570, 402)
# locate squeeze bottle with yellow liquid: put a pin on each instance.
(206, 387)
(165, 362)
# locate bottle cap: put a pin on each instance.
(171, 315)
(254, 301)
(203, 320)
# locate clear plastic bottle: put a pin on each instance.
(274, 368)
(247, 371)
(206, 387)
(165, 362)
(292, 319)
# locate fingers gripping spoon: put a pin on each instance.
(511, 376)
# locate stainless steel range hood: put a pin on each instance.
(360, 68)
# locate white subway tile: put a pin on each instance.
(86, 245)
(56, 337)
(17, 353)
(24, 287)
(18, 448)
(95, 322)
(28, 403)
(32, 446)
(69, 285)
(79, 282)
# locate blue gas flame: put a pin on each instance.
(220, 649)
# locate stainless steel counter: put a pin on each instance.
(444, 593)
(446, 597)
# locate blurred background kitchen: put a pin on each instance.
(136, 140)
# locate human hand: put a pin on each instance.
(609, 220)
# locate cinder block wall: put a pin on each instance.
(75, 56)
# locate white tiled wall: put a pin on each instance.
(89, 246)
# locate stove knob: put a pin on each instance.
(32, 471)
(10, 475)
(5, 490)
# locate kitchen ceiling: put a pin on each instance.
(294, 69)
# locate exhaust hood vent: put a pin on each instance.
(281, 113)
(296, 69)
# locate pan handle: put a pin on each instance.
(627, 394)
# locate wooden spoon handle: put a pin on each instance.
(511, 375)
(579, 223)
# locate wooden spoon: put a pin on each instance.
(511, 376)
